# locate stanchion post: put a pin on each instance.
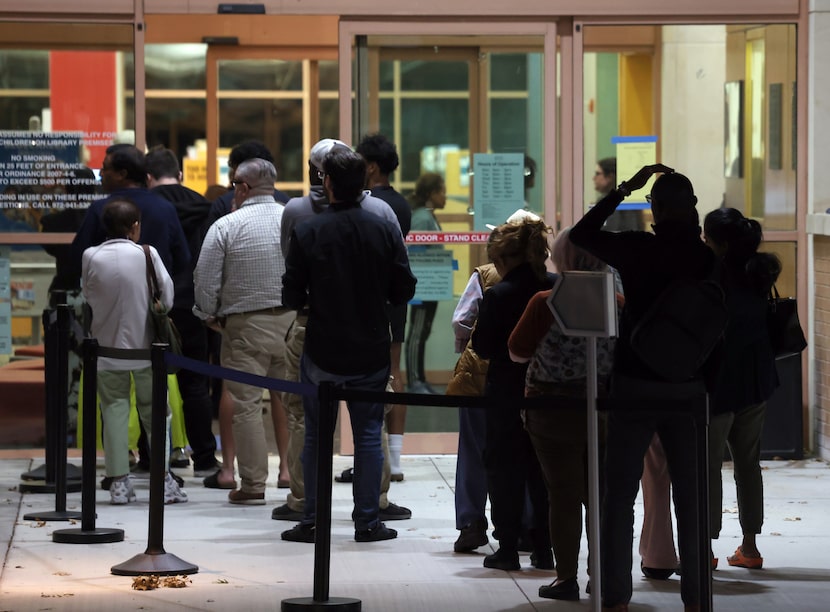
(155, 560)
(56, 405)
(593, 476)
(88, 533)
(50, 377)
(322, 526)
(60, 404)
(701, 425)
(325, 450)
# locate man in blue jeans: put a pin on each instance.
(346, 264)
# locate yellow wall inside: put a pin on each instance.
(636, 94)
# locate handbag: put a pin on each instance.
(164, 331)
(785, 333)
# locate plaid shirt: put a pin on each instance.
(241, 264)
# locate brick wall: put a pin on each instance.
(821, 345)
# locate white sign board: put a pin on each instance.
(584, 304)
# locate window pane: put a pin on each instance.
(434, 76)
(508, 125)
(175, 123)
(427, 123)
(329, 118)
(329, 76)
(260, 75)
(175, 66)
(278, 123)
(24, 69)
(16, 111)
(508, 72)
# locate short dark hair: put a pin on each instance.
(119, 216)
(249, 150)
(131, 160)
(346, 170)
(379, 149)
(673, 197)
(162, 163)
(608, 165)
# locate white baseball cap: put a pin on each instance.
(517, 218)
(321, 149)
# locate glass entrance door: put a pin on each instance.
(453, 102)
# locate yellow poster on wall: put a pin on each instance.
(634, 152)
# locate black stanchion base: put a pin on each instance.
(73, 472)
(41, 486)
(162, 564)
(94, 536)
(53, 515)
(306, 604)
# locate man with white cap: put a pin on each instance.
(296, 211)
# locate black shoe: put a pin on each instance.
(503, 560)
(211, 466)
(394, 512)
(106, 481)
(542, 560)
(561, 589)
(178, 458)
(472, 536)
(284, 513)
(376, 534)
(346, 475)
(656, 573)
(300, 533)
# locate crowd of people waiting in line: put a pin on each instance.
(306, 289)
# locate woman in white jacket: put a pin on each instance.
(115, 287)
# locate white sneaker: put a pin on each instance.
(173, 493)
(121, 491)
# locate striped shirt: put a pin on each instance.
(241, 264)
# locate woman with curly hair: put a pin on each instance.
(519, 252)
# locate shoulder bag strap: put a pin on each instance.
(152, 281)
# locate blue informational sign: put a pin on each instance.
(433, 268)
(498, 187)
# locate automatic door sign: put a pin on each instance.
(584, 304)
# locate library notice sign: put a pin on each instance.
(40, 170)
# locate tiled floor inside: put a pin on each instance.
(243, 564)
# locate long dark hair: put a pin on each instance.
(728, 229)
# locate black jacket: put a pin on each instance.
(501, 308)
(192, 209)
(647, 264)
(346, 264)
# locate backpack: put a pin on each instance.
(681, 329)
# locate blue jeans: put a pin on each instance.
(470, 473)
(367, 420)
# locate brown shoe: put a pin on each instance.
(617, 608)
(246, 499)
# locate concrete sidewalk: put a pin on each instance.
(243, 564)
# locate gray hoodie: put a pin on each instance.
(299, 209)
